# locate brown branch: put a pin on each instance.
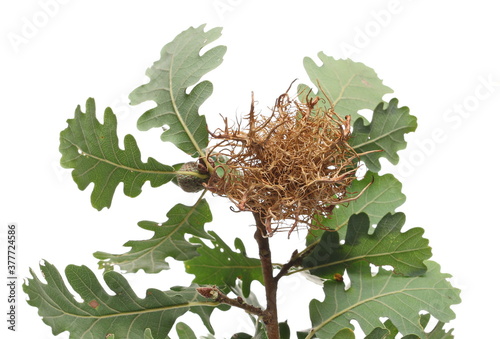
(294, 261)
(270, 316)
(215, 294)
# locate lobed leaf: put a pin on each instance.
(223, 266)
(384, 133)
(436, 333)
(168, 240)
(181, 66)
(92, 150)
(202, 311)
(381, 197)
(384, 295)
(123, 314)
(350, 86)
(405, 252)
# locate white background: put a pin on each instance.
(437, 56)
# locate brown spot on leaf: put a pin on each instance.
(338, 277)
(93, 304)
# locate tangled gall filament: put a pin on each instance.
(294, 165)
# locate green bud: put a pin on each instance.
(190, 183)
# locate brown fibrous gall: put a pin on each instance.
(290, 168)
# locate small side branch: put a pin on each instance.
(294, 261)
(215, 294)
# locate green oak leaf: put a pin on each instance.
(260, 332)
(181, 66)
(381, 197)
(393, 331)
(384, 295)
(345, 333)
(202, 311)
(385, 133)
(350, 86)
(184, 331)
(123, 314)
(147, 335)
(436, 333)
(241, 335)
(92, 150)
(223, 266)
(379, 333)
(284, 330)
(168, 240)
(251, 298)
(405, 252)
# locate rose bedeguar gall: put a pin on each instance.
(291, 167)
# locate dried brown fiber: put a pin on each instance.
(294, 165)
